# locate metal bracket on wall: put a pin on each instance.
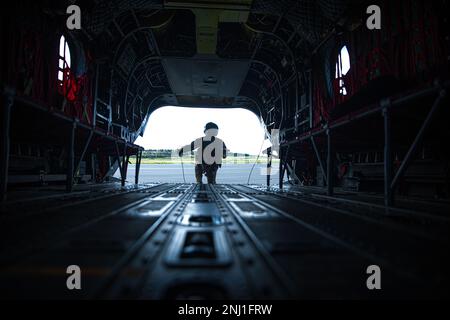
(8, 101)
(418, 139)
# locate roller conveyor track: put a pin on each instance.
(25, 232)
(430, 226)
(415, 244)
(222, 242)
(48, 203)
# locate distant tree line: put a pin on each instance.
(162, 153)
(167, 153)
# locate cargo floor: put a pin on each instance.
(172, 241)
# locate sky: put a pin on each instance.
(173, 127)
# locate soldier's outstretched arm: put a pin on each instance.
(224, 150)
(187, 148)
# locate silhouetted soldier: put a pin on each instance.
(210, 152)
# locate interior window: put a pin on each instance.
(64, 57)
(342, 68)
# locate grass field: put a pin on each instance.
(189, 160)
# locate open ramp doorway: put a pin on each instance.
(170, 127)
